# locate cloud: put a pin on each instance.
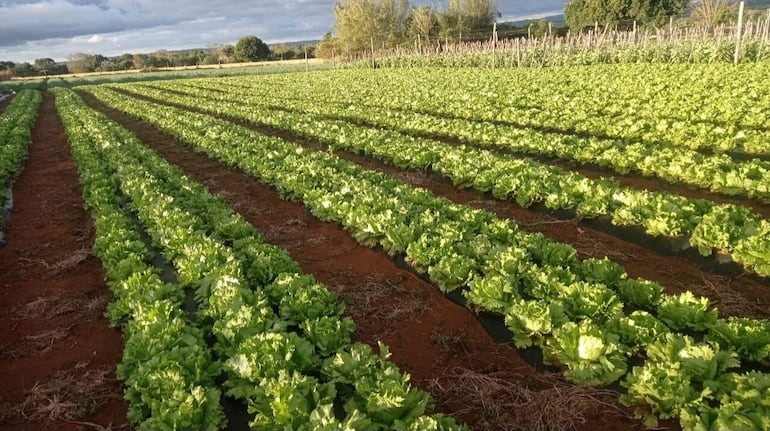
(32, 29)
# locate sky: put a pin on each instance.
(31, 29)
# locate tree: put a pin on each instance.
(394, 17)
(423, 22)
(711, 13)
(355, 23)
(139, 61)
(328, 47)
(106, 66)
(477, 15)
(538, 28)
(361, 22)
(23, 69)
(468, 17)
(162, 58)
(81, 63)
(125, 62)
(580, 14)
(44, 65)
(251, 48)
(284, 52)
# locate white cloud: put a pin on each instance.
(95, 39)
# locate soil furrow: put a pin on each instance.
(59, 353)
(430, 337)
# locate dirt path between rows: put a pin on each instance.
(441, 344)
(57, 353)
(743, 295)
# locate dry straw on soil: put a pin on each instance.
(65, 396)
(545, 403)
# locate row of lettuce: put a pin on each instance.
(675, 164)
(588, 315)
(705, 107)
(273, 335)
(726, 228)
(15, 134)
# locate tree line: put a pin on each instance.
(247, 49)
(359, 24)
(582, 14)
(363, 25)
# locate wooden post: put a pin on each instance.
(767, 27)
(494, 45)
(739, 34)
(372, 41)
(518, 52)
(671, 27)
(763, 36)
(306, 65)
(634, 31)
(334, 60)
(419, 43)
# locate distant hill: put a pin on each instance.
(297, 43)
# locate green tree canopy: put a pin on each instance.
(580, 14)
(83, 63)
(44, 65)
(713, 12)
(361, 22)
(467, 17)
(328, 47)
(251, 48)
(23, 69)
(424, 22)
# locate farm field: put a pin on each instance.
(560, 248)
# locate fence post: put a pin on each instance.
(671, 27)
(767, 27)
(763, 36)
(306, 65)
(518, 52)
(739, 34)
(494, 45)
(372, 41)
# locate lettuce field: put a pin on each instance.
(419, 249)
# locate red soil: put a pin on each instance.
(53, 299)
(429, 336)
